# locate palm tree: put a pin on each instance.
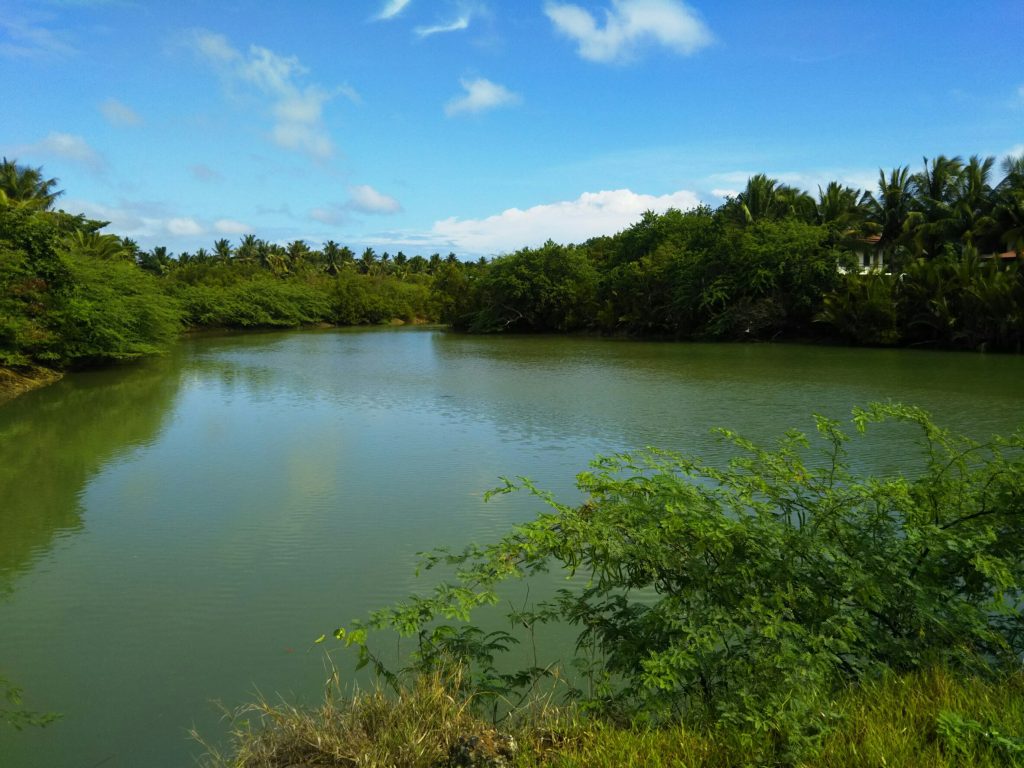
(1008, 208)
(297, 251)
(24, 186)
(972, 208)
(96, 246)
(248, 249)
(765, 198)
(840, 208)
(222, 249)
(889, 210)
(332, 254)
(368, 261)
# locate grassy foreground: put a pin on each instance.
(929, 718)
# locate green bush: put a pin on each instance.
(744, 597)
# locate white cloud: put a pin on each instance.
(64, 146)
(184, 226)
(215, 47)
(329, 214)
(392, 8)
(480, 95)
(724, 193)
(117, 113)
(573, 221)
(459, 24)
(366, 199)
(363, 199)
(629, 26)
(147, 223)
(231, 227)
(297, 110)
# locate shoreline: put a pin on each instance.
(18, 381)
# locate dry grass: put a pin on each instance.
(930, 719)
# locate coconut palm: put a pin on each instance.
(24, 186)
(248, 249)
(1008, 205)
(222, 250)
(96, 246)
(888, 211)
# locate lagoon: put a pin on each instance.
(179, 531)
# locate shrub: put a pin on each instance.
(744, 597)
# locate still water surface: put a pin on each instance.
(178, 531)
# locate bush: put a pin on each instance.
(743, 598)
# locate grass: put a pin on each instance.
(932, 718)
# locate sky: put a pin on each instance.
(482, 126)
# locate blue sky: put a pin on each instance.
(480, 126)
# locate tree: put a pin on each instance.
(1008, 205)
(248, 249)
(222, 250)
(843, 210)
(332, 257)
(25, 186)
(368, 262)
(888, 212)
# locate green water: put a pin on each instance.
(178, 531)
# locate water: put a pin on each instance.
(178, 531)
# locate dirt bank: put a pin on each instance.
(17, 381)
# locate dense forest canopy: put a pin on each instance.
(928, 258)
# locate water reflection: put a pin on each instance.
(54, 440)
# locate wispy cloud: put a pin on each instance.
(204, 173)
(480, 95)
(63, 146)
(462, 22)
(231, 227)
(119, 114)
(152, 223)
(28, 38)
(184, 226)
(631, 25)
(366, 199)
(572, 221)
(297, 110)
(391, 9)
(808, 181)
(362, 199)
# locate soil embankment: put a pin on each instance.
(17, 381)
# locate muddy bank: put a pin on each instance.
(17, 381)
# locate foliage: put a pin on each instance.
(741, 598)
(773, 262)
(550, 288)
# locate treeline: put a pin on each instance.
(71, 295)
(929, 258)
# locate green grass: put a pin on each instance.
(932, 718)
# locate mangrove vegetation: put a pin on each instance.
(930, 258)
